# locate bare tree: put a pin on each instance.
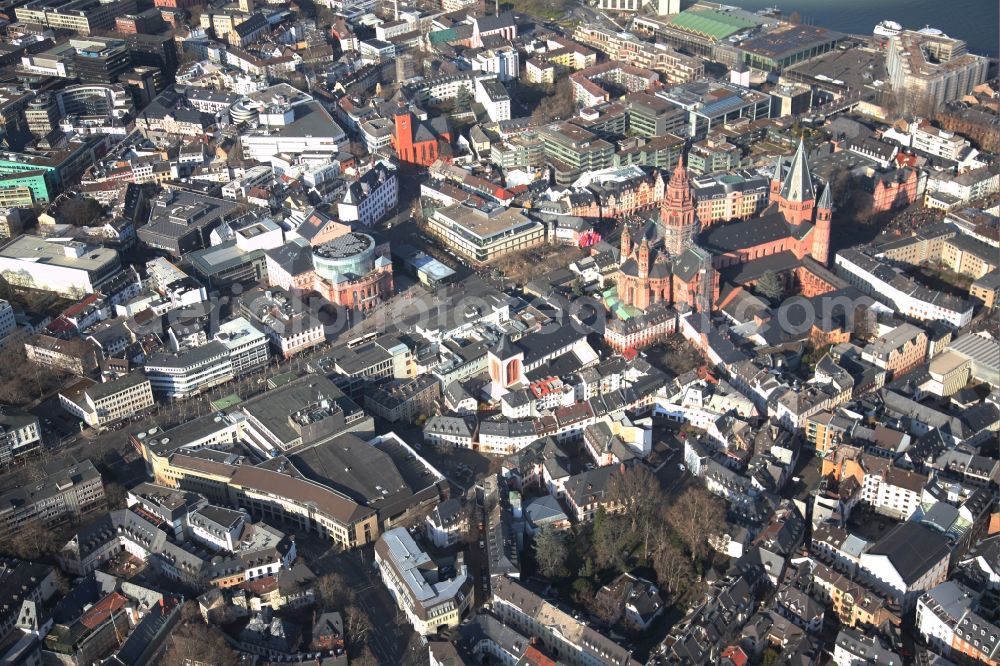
(694, 516)
(607, 534)
(114, 496)
(641, 495)
(357, 626)
(31, 542)
(81, 211)
(559, 105)
(550, 552)
(366, 658)
(673, 569)
(334, 591)
(606, 606)
(21, 380)
(194, 642)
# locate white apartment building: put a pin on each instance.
(373, 196)
(7, 321)
(376, 51)
(939, 610)
(503, 61)
(903, 294)
(429, 602)
(939, 142)
(446, 523)
(964, 187)
(494, 98)
(895, 492)
(101, 404)
(19, 433)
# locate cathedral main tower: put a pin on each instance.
(677, 217)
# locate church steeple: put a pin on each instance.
(825, 199)
(797, 197)
(798, 186)
(626, 247)
(820, 250)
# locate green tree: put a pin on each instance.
(463, 100)
(550, 552)
(770, 287)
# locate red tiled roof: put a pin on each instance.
(103, 609)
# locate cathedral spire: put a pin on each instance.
(825, 199)
(679, 170)
(798, 185)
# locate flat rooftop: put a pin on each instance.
(789, 40)
(66, 254)
(854, 68)
(485, 225)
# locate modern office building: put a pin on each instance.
(652, 116)
(94, 100)
(774, 50)
(102, 404)
(19, 434)
(699, 29)
(64, 494)
(46, 171)
(100, 60)
(180, 221)
(42, 114)
(80, 16)
(305, 129)
(571, 150)
(238, 347)
(186, 373)
(481, 235)
(65, 267)
(710, 104)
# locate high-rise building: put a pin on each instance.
(159, 51)
(927, 69)
(42, 114)
(100, 61)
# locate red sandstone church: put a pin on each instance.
(672, 260)
(416, 139)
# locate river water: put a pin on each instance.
(975, 21)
